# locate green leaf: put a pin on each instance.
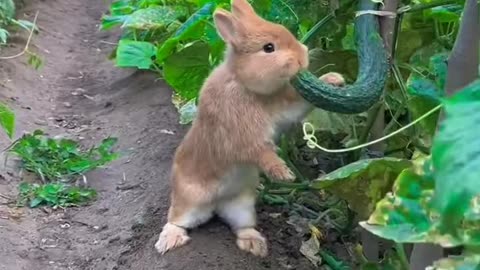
(203, 13)
(7, 120)
(348, 42)
(107, 144)
(282, 12)
(407, 215)
(60, 159)
(27, 25)
(438, 68)
(135, 54)
(3, 35)
(7, 9)
(121, 7)
(217, 45)
(109, 21)
(186, 70)
(419, 86)
(445, 13)
(333, 262)
(35, 202)
(151, 18)
(426, 96)
(192, 29)
(24, 188)
(35, 61)
(456, 155)
(363, 183)
(404, 216)
(327, 121)
(188, 112)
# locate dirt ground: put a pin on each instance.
(80, 94)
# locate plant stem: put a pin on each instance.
(284, 146)
(403, 257)
(25, 49)
(420, 7)
(314, 30)
(394, 121)
(297, 186)
(311, 140)
(403, 89)
(371, 119)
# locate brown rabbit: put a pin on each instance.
(241, 104)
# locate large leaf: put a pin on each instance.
(403, 216)
(191, 29)
(137, 54)
(363, 183)
(456, 155)
(333, 122)
(119, 11)
(3, 35)
(186, 70)
(109, 21)
(7, 9)
(7, 120)
(155, 17)
(445, 13)
(407, 215)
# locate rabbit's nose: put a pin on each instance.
(303, 62)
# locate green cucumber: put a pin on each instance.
(372, 74)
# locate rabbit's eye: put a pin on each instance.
(268, 48)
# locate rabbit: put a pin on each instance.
(216, 166)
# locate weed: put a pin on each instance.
(58, 162)
(61, 159)
(54, 195)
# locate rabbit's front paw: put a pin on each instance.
(281, 172)
(333, 78)
(170, 238)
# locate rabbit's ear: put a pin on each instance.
(227, 26)
(242, 9)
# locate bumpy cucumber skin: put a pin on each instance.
(373, 72)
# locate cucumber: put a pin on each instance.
(372, 74)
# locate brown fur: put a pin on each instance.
(240, 106)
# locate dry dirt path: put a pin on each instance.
(80, 94)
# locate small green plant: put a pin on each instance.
(7, 14)
(7, 120)
(61, 159)
(54, 195)
(58, 162)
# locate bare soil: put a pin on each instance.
(80, 94)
